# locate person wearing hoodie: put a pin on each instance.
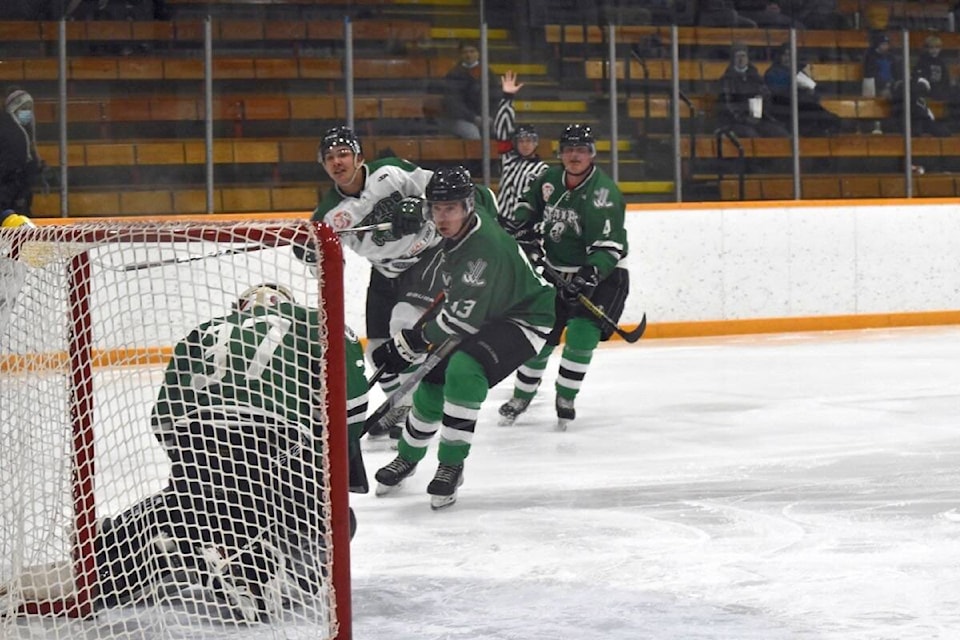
(813, 119)
(20, 163)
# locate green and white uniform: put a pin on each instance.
(397, 292)
(236, 416)
(260, 365)
(387, 181)
(502, 309)
(580, 226)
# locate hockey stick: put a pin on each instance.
(422, 320)
(183, 259)
(629, 336)
(437, 354)
(382, 226)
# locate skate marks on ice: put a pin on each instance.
(799, 487)
(823, 552)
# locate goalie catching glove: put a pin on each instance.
(407, 218)
(401, 351)
(583, 283)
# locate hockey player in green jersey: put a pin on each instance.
(583, 239)
(366, 193)
(499, 308)
(239, 519)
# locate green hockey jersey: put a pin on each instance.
(584, 225)
(487, 277)
(264, 361)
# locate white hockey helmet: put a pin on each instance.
(265, 294)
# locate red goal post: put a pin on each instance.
(83, 309)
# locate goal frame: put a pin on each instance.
(81, 360)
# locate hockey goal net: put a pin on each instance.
(89, 316)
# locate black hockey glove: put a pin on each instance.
(401, 351)
(584, 282)
(407, 218)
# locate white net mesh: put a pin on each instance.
(203, 516)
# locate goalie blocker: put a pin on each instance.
(241, 517)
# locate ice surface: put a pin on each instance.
(783, 486)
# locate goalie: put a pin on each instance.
(241, 518)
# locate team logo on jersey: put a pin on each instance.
(556, 221)
(546, 190)
(474, 275)
(601, 198)
(341, 220)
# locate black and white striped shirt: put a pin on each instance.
(516, 172)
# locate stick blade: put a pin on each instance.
(637, 333)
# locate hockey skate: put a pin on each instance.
(565, 413)
(393, 474)
(511, 409)
(443, 487)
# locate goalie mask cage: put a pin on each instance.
(89, 314)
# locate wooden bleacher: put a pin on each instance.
(855, 41)
(780, 187)
(849, 107)
(127, 153)
(222, 29)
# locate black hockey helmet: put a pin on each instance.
(449, 184)
(339, 137)
(525, 132)
(578, 135)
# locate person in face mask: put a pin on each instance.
(20, 163)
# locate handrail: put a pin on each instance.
(693, 128)
(727, 132)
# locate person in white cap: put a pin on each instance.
(20, 163)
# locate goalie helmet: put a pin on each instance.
(339, 137)
(578, 135)
(265, 294)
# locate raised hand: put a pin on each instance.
(509, 84)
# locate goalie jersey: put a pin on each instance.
(262, 363)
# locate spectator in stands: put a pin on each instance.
(463, 94)
(820, 14)
(935, 69)
(720, 13)
(812, 118)
(772, 16)
(742, 94)
(21, 10)
(20, 163)
(879, 67)
(923, 122)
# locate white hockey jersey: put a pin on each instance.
(388, 180)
